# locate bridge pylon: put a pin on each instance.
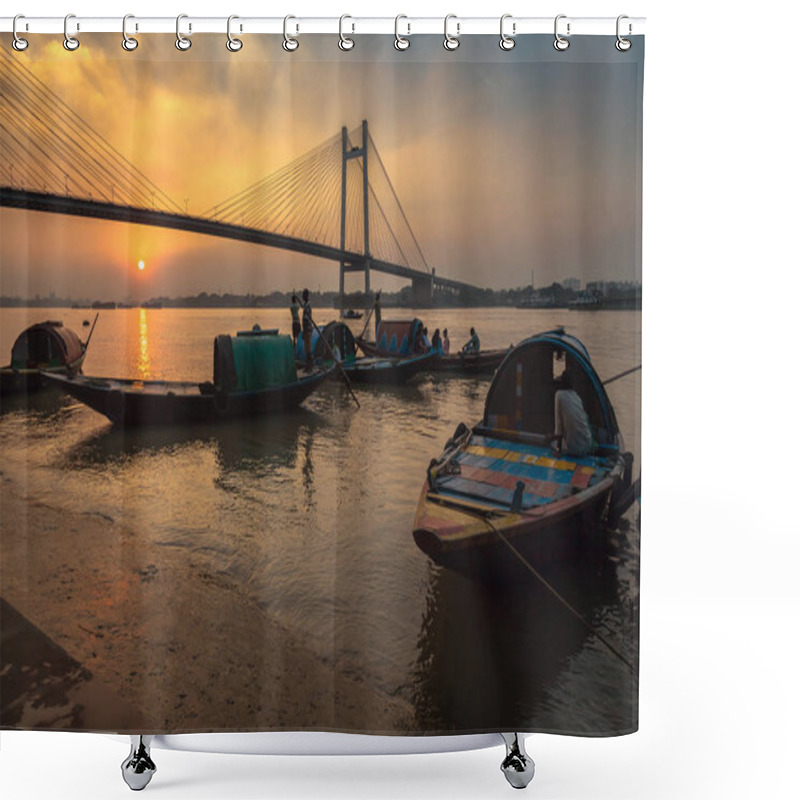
(347, 155)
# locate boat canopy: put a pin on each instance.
(337, 335)
(522, 395)
(397, 337)
(251, 362)
(46, 345)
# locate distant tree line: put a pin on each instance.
(606, 294)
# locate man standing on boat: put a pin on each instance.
(377, 309)
(573, 433)
(445, 343)
(308, 327)
(474, 343)
(296, 328)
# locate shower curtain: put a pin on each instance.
(250, 481)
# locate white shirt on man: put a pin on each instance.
(572, 423)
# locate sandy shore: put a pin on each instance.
(152, 642)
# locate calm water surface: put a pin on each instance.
(312, 512)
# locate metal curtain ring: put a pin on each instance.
(290, 44)
(451, 42)
(400, 42)
(128, 42)
(344, 42)
(181, 42)
(70, 42)
(233, 44)
(18, 43)
(507, 42)
(623, 45)
(560, 43)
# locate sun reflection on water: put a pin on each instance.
(143, 362)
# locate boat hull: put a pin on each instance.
(394, 371)
(28, 380)
(170, 403)
(485, 362)
(575, 534)
(495, 503)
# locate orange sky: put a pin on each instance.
(502, 164)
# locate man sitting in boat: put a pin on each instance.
(573, 433)
(436, 342)
(474, 343)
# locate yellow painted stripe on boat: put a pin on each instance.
(566, 465)
(586, 470)
(543, 461)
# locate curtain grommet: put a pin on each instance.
(182, 42)
(290, 43)
(401, 42)
(451, 42)
(18, 43)
(561, 43)
(622, 44)
(233, 44)
(507, 42)
(71, 43)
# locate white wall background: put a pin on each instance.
(720, 599)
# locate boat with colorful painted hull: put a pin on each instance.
(44, 346)
(500, 487)
(254, 374)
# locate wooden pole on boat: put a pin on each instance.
(369, 315)
(622, 374)
(88, 338)
(338, 363)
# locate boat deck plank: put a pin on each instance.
(490, 469)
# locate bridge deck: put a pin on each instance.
(75, 206)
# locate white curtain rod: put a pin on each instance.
(462, 26)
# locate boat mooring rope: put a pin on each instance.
(550, 588)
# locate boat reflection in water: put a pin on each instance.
(488, 655)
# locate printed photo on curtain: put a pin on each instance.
(320, 385)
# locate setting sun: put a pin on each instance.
(141, 265)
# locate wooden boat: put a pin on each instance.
(43, 346)
(397, 337)
(393, 338)
(351, 314)
(253, 375)
(500, 486)
(339, 341)
(387, 370)
(484, 362)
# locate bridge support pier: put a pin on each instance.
(422, 291)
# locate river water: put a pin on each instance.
(311, 514)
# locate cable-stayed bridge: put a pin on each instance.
(335, 202)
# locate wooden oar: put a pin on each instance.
(622, 374)
(338, 363)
